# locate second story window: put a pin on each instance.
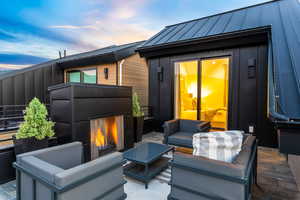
(89, 76)
(82, 76)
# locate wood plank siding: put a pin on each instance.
(135, 74)
(112, 73)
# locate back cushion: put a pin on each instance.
(222, 146)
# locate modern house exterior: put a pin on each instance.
(79, 91)
(237, 69)
(113, 65)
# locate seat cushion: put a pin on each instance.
(183, 139)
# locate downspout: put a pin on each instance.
(121, 71)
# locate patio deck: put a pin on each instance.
(275, 179)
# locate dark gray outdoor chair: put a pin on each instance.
(196, 177)
(179, 132)
(57, 173)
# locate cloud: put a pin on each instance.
(16, 27)
(20, 59)
(7, 37)
(111, 22)
(4, 67)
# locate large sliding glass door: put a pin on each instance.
(201, 90)
(186, 90)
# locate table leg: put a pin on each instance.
(146, 174)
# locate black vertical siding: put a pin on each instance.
(21, 87)
(154, 87)
(8, 91)
(19, 90)
(247, 96)
(247, 91)
(29, 86)
(165, 93)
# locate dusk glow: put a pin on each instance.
(33, 31)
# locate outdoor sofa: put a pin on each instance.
(196, 177)
(179, 132)
(57, 173)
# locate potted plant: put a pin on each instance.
(138, 118)
(35, 131)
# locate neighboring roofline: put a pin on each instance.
(129, 45)
(205, 39)
(230, 11)
(57, 60)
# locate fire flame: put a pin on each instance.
(111, 131)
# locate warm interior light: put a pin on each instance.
(192, 89)
(205, 92)
(214, 90)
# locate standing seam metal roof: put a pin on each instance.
(284, 18)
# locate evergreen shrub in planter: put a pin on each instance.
(35, 131)
(138, 118)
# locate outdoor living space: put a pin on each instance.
(275, 180)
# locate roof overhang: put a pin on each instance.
(85, 61)
(226, 40)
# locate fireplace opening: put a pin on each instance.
(107, 135)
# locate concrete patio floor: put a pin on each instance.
(275, 180)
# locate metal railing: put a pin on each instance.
(147, 110)
(11, 116)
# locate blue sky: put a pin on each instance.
(33, 31)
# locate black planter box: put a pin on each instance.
(288, 138)
(29, 144)
(138, 128)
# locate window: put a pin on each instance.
(82, 76)
(89, 76)
(73, 76)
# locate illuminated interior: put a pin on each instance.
(214, 91)
(186, 90)
(213, 101)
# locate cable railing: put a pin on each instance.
(147, 110)
(11, 116)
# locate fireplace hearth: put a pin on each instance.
(107, 135)
(99, 116)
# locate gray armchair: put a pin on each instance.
(179, 132)
(196, 177)
(57, 173)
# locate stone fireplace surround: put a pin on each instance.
(74, 105)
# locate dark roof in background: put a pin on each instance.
(284, 18)
(106, 54)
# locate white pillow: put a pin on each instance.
(221, 145)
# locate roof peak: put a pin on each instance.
(229, 11)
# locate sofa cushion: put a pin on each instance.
(222, 145)
(181, 139)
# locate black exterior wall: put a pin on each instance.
(247, 96)
(21, 86)
(74, 105)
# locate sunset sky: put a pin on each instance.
(33, 31)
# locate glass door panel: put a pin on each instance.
(186, 90)
(214, 92)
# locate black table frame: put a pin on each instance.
(145, 171)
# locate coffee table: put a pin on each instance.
(147, 161)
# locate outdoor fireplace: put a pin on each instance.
(99, 116)
(107, 135)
